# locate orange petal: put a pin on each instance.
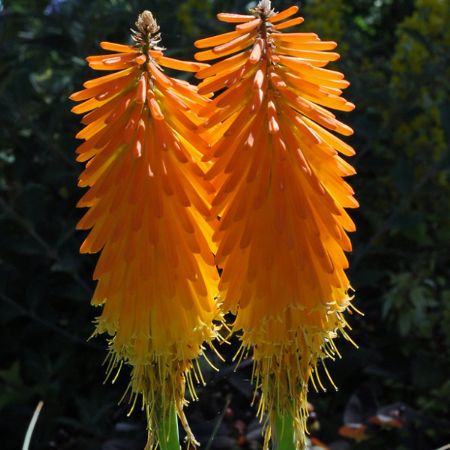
(234, 18)
(107, 78)
(186, 66)
(249, 26)
(155, 109)
(216, 40)
(113, 47)
(289, 23)
(141, 90)
(288, 12)
(294, 37)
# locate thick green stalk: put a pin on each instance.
(283, 434)
(168, 434)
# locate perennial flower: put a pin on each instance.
(149, 217)
(281, 200)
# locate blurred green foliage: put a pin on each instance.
(395, 53)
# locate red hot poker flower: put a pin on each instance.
(148, 214)
(281, 199)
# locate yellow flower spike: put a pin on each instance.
(149, 217)
(281, 199)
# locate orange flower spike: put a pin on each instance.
(281, 198)
(148, 213)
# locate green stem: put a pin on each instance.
(284, 435)
(168, 434)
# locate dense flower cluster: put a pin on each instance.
(281, 198)
(245, 166)
(148, 213)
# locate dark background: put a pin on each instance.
(396, 55)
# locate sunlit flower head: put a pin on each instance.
(281, 199)
(149, 219)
